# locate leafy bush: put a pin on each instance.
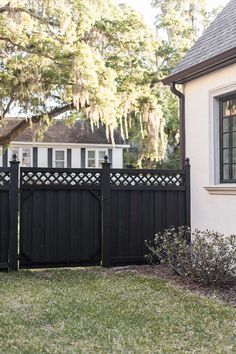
(210, 258)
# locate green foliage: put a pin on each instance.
(210, 258)
(95, 59)
(179, 23)
(94, 55)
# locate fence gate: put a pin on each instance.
(87, 216)
(59, 217)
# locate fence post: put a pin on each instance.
(187, 192)
(13, 208)
(105, 224)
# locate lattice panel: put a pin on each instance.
(56, 178)
(147, 179)
(4, 178)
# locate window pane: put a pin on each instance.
(233, 123)
(226, 171)
(226, 110)
(59, 164)
(91, 154)
(234, 155)
(59, 155)
(91, 163)
(26, 160)
(233, 139)
(233, 171)
(225, 125)
(101, 155)
(229, 107)
(226, 140)
(226, 155)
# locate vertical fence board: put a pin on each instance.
(4, 226)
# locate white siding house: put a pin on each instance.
(62, 146)
(208, 116)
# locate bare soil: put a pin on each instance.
(225, 293)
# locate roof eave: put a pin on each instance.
(218, 62)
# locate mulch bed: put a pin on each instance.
(225, 293)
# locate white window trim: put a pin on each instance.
(96, 156)
(215, 187)
(54, 157)
(20, 153)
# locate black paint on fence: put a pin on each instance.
(87, 216)
(9, 216)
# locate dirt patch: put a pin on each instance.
(226, 293)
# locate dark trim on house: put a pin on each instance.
(181, 97)
(69, 152)
(230, 147)
(82, 158)
(35, 157)
(49, 157)
(5, 157)
(218, 62)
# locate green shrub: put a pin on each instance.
(210, 258)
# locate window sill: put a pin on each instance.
(222, 189)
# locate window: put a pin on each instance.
(59, 158)
(26, 157)
(228, 139)
(91, 159)
(101, 155)
(95, 158)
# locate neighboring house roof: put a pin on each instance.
(79, 133)
(215, 49)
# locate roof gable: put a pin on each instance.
(217, 42)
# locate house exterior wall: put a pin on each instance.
(42, 153)
(42, 157)
(117, 158)
(213, 205)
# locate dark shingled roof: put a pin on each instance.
(219, 38)
(79, 133)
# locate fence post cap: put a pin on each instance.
(106, 161)
(14, 159)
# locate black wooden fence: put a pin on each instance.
(137, 205)
(87, 216)
(9, 216)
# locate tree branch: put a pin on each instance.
(9, 40)
(24, 123)
(8, 8)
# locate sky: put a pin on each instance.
(144, 7)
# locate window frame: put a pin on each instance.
(30, 156)
(223, 99)
(54, 158)
(97, 151)
(87, 158)
(19, 152)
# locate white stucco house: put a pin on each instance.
(207, 75)
(62, 146)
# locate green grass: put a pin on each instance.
(90, 310)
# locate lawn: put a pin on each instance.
(91, 310)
